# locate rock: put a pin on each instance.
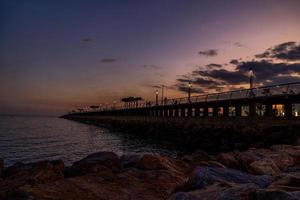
(94, 163)
(130, 160)
(104, 175)
(202, 177)
(287, 183)
(274, 195)
(289, 151)
(1, 167)
(151, 162)
(264, 167)
(239, 192)
(229, 160)
(200, 155)
(263, 161)
(15, 169)
(184, 196)
(39, 172)
(218, 192)
(21, 174)
(131, 183)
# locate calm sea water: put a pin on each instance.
(29, 139)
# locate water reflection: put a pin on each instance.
(29, 139)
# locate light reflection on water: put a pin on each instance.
(30, 139)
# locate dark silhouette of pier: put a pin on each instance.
(282, 100)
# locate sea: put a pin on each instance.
(29, 139)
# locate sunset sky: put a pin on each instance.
(61, 54)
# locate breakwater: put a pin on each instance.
(210, 134)
(256, 174)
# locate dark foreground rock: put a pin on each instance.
(1, 167)
(254, 174)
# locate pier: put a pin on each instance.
(275, 101)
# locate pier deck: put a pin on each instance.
(281, 101)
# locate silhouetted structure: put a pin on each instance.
(269, 101)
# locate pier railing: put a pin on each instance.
(265, 91)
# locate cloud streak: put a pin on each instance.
(209, 52)
(151, 67)
(108, 60)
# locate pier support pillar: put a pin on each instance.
(190, 111)
(226, 110)
(252, 109)
(238, 110)
(166, 112)
(176, 112)
(156, 112)
(205, 111)
(288, 110)
(215, 111)
(197, 111)
(269, 112)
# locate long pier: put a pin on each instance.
(281, 100)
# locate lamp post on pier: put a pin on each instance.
(156, 93)
(190, 86)
(162, 94)
(251, 77)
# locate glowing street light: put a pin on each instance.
(156, 93)
(190, 86)
(251, 77)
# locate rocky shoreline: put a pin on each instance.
(272, 173)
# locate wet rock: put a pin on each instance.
(263, 161)
(264, 167)
(229, 160)
(288, 182)
(157, 162)
(94, 163)
(289, 151)
(219, 192)
(202, 177)
(151, 162)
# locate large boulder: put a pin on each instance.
(273, 161)
(288, 182)
(157, 162)
(39, 172)
(153, 162)
(202, 177)
(290, 154)
(94, 163)
(229, 160)
(219, 192)
(21, 174)
(264, 167)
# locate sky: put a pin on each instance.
(57, 55)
